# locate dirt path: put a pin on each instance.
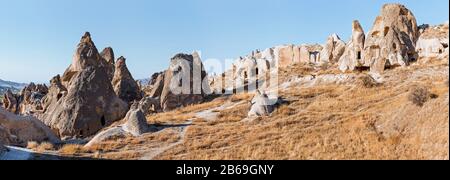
(154, 152)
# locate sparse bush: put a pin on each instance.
(32, 145)
(368, 81)
(419, 95)
(45, 146)
(71, 149)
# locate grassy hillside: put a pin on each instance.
(405, 117)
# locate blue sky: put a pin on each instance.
(38, 37)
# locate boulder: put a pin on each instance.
(82, 101)
(352, 56)
(136, 123)
(124, 84)
(262, 105)
(333, 50)
(19, 130)
(392, 39)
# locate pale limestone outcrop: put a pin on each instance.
(352, 56)
(392, 39)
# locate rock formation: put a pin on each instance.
(433, 42)
(156, 85)
(19, 130)
(82, 101)
(352, 56)
(108, 57)
(10, 102)
(310, 54)
(183, 84)
(27, 102)
(262, 105)
(284, 55)
(333, 50)
(136, 123)
(391, 42)
(124, 84)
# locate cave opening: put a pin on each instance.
(103, 120)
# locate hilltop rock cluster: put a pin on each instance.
(433, 41)
(394, 40)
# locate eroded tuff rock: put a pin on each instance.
(82, 101)
(333, 50)
(433, 42)
(180, 86)
(262, 105)
(19, 130)
(108, 56)
(11, 101)
(392, 39)
(352, 56)
(124, 84)
(136, 123)
(27, 102)
(156, 85)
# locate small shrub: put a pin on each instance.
(419, 95)
(32, 145)
(45, 146)
(71, 149)
(368, 81)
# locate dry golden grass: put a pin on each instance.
(321, 122)
(71, 149)
(333, 122)
(40, 148)
(32, 145)
(183, 114)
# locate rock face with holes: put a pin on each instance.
(184, 83)
(262, 105)
(333, 50)
(352, 56)
(18, 130)
(392, 40)
(124, 84)
(27, 102)
(310, 53)
(30, 99)
(433, 42)
(82, 101)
